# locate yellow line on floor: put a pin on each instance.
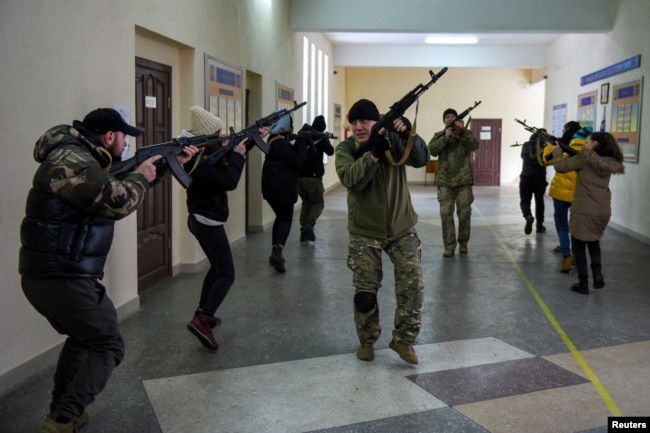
(600, 388)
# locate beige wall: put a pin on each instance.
(82, 57)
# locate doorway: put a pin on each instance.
(486, 160)
(153, 115)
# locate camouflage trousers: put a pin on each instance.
(460, 199)
(365, 261)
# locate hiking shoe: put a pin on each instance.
(448, 253)
(528, 228)
(404, 350)
(82, 420)
(567, 264)
(366, 352)
(214, 321)
(463, 249)
(201, 327)
(49, 425)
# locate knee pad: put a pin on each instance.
(365, 301)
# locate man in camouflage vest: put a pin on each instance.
(381, 218)
(455, 178)
(66, 235)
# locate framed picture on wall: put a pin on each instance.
(626, 117)
(223, 91)
(604, 93)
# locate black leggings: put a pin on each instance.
(282, 223)
(579, 250)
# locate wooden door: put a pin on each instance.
(153, 115)
(486, 160)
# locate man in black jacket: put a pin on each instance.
(532, 183)
(310, 180)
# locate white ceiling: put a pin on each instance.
(511, 33)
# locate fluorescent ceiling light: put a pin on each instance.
(451, 40)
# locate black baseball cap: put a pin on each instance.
(102, 120)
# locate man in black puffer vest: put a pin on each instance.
(66, 235)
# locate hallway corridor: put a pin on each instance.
(505, 346)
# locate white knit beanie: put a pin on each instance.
(204, 122)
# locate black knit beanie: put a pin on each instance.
(319, 124)
(449, 111)
(363, 109)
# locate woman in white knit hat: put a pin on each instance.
(207, 204)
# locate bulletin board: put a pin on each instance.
(587, 109)
(284, 97)
(223, 92)
(626, 117)
(559, 119)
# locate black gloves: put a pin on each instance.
(378, 145)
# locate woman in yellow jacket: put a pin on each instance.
(562, 188)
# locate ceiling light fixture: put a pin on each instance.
(451, 40)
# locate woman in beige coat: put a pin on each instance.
(591, 207)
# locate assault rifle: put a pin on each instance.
(314, 135)
(398, 109)
(459, 117)
(546, 137)
(170, 149)
(252, 132)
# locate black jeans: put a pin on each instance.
(221, 275)
(530, 186)
(80, 309)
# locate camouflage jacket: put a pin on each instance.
(454, 166)
(379, 202)
(72, 206)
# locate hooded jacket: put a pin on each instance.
(282, 164)
(72, 206)
(591, 206)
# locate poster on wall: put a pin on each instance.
(626, 117)
(337, 120)
(223, 92)
(559, 119)
(285, 97)
(587, 109)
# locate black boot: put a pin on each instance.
(582, 286)
(599, 280)
(276, 259)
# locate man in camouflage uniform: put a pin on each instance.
(455, 178)
(66, 235)
(381, 218)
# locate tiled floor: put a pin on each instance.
(505, 345)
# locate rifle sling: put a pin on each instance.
(407, 151)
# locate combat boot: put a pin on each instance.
(404, 350)
(582, 286)
(49, 425)
(366, 352)
(276, 259)
(599, 280)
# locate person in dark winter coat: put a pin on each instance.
(66, 235)
(532, 182)
(280, 184)
(207, 205)
(591, 206)
(310, 180)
